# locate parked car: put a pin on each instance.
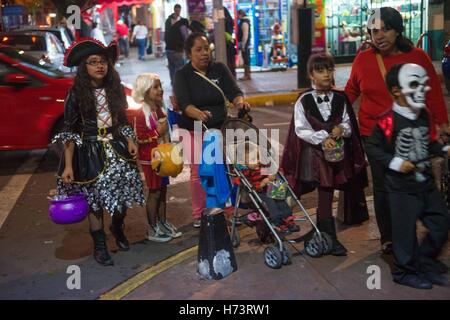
(446, 66)
(32, 94)
(42, 45)
(63, 34)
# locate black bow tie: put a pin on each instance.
(320, 100)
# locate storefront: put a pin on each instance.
(346, 23)
(340, 25)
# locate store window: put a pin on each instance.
(346, 26)
(346, 22)
(413, 13)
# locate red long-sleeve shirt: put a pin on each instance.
(366, 80)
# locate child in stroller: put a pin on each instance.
(272, 192)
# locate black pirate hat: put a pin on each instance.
(86, 47)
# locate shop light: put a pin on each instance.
(52, 15)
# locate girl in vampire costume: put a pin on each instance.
(99, 145)
(321, 117)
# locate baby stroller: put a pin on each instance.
(316, 243)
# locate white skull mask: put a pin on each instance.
(413, 83)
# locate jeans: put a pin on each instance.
(141, 47)
(175, 60)
(124, 46)
(246, 56)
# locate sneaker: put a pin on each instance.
(170, 229)
(197, 223)
(155, 233)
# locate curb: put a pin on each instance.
(271, 99)
(275, 98)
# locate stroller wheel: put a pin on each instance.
(314, 247)
(287, 256)
(327, 243)
(272, 257)
(235, 239)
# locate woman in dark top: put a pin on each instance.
(199, 100)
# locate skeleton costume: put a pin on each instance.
(408, 133)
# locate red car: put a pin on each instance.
(32, 94)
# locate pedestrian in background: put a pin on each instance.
(244, 42)
(229, 40)
(176, 32)
(140, 33)
(122, 33)
(97, 33)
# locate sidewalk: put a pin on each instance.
(265, 88)
(326, 278)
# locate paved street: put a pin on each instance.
(35, 253)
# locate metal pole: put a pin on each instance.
(219, 32)
(305, 19)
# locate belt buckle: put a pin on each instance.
(102, 132)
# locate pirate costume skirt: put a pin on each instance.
(116, 183)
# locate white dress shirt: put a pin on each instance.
(303, 128)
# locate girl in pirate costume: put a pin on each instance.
(100, 153)
(322, 118)
(152, 128)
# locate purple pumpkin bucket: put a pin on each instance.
(68, 209)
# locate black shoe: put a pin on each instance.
(328, 225)
(293, 227)
(101, 254)
(436, 278)
(414, 281)
(338, 249)
(121, 239)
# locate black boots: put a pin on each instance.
(101, 254)
(328, 225)
(116, 229)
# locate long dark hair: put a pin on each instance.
(393, 20)
(84, 91)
